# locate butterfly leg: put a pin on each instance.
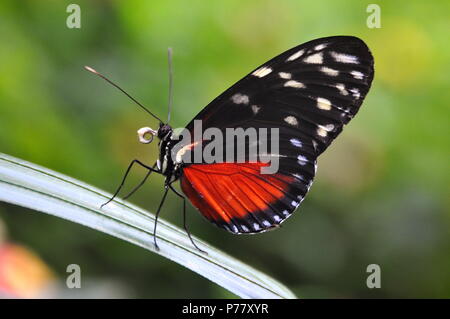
(151, 169)
(184, 218)
(166, 189)
(140, 184)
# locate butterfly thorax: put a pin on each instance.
(165, 164)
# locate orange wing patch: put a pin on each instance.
(235, 195)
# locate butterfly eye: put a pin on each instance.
(146, 134)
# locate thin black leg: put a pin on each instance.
(157, 215)
(184, 219)
(125, 177)
(140, 184)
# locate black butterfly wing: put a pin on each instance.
(309, 92)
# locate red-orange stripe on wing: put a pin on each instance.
(226, 191)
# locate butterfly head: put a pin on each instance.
(164, 131)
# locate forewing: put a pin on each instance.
(314, 88)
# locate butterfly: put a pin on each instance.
(307, 93)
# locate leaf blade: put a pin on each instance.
(29, 185)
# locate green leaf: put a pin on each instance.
(32, 186)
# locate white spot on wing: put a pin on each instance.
(357, 75)
(296, 142)
(323, 104)
(329, 71)
(295, 55)
(294, 84)
(294, 203)
(328, 127)
(266, 223)
(285, 75)
(239, 98)
(292, 120)
(355, 93)
(320, 46)
(344, 58)
(262, 71)
(341, 88)
(285, 212)
(256, 226)
(314, 59)
(244, 228)
(302, 160)
(321, 131)
(277, 218)
(255, 109)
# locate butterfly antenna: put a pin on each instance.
(88, 68)
(169, 56)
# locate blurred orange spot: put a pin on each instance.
(22, 273)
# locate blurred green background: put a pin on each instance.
(381, 192)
